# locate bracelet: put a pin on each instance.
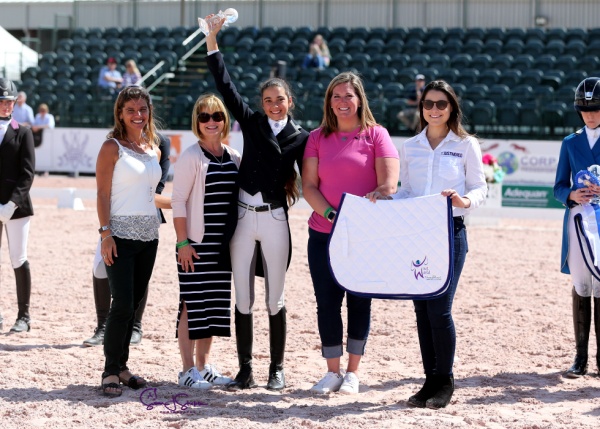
(329, 209)
(109, 235)
(182, 243)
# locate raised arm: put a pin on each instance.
(233, 100)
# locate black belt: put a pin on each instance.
(258, 209)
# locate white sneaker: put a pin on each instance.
(350, 384)
(212, 375)
(192, 378)
(330, 383)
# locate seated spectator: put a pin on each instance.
(132, 74)
(43, 119)
(109, 78)
(22, 112)
(318, 54)
(409, 116)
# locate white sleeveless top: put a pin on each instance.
(133, 214)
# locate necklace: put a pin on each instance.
(219, 161)
(141, 146)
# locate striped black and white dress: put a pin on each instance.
(207, 290)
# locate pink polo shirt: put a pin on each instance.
(346, 164)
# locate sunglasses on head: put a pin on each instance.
(216, 116)
(441, 104)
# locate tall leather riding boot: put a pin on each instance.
(23, 279)
(597, 329)
(277, 335)
(582, 319)
(102, 302)
(136, 335)
(244, 328)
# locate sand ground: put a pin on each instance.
(512, 313)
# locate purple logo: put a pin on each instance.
(74, 155)
(177, 404)
(418, 267)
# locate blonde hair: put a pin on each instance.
(210, 103)
(133, 65)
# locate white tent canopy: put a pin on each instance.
(15, 57)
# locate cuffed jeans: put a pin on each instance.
(435, 326)
(128, 278)
(329, 298)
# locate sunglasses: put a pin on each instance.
(428, 104)
(205, 117)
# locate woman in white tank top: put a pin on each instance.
(127, 172)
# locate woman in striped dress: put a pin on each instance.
(204, 205)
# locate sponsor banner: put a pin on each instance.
(529, 196)
(74, 150)
(525, 161)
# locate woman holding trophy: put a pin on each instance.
(273, 143)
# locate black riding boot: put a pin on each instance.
(597, 329)
(136, 335)
(445, 390)
(23, 279)
(102, 303)
(244, 328)
(277, 334)
(582, 319)
(420, 398)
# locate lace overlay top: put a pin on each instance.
(133, 214)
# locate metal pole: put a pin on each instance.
(182, 13)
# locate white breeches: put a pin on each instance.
(17, 236)
(99, 269)
(271, 229)
(584, 282)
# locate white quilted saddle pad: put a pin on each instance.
(586, 224)
(401, 249)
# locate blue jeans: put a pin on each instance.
(128, 279)
(329, 304)
(435, 326)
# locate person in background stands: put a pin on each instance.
(318, 54)
(22, 112)
(409, 116)
(43, 119)
(17, 169)
(109, 78)
(132, 74)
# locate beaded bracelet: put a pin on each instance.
(329, 209)
(182, 243)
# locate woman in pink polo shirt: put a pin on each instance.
(351, 153)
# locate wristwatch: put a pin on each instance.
(331, 215)
(103, 228)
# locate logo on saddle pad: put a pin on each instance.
(420, 268)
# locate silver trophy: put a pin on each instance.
(230, 16)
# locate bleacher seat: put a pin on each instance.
(513, 47)
(510, 77)
(489, 76)
(481, 61)
(532, 77)
(473, 46)
(453, 47)
(468, 77)
(555, 47)
(461, 61)
(502, 61)
(499, 93)
(507, 114)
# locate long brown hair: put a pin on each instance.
(134, 93)
(329, 123)
(456, 116)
